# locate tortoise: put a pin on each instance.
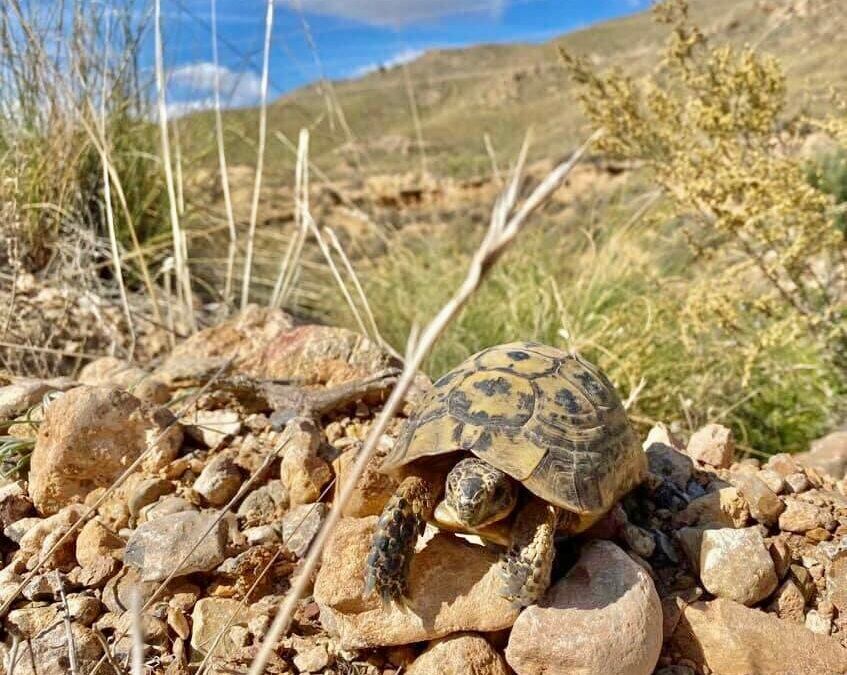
(522, 440)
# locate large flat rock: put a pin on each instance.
(732, 639)
(453, 587)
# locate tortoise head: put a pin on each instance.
(476, 495)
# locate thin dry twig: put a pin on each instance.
(501, 232)
(137, 633)
(69, 634)
(363, 298)
(260, 159)
(416, 119)
(224, 171)
(182, 274)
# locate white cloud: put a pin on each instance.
(193, 87)
(406, 56)
(396, 12)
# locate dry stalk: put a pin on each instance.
(110, 214)
(501, 232)
(137, 633)
(416, 120)
(222, 163)
(492, 155)
(13, 655)
(69, 634)
(363, 298)
(182, 273)
(260, 159)
(295, 243)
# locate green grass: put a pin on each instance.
(623, 297)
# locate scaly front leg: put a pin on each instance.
(402, 521)
(525, 567)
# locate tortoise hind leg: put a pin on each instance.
(402, 521)
(525, 567)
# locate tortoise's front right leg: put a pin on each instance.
(402, 521)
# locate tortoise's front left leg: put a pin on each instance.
(402, 521)
(525, 567)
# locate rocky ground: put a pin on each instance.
(192, 488)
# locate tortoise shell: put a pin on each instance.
(548, 418)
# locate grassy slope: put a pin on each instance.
(503, 90)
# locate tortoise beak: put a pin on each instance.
(447, 518)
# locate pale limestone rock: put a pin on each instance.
(604, 616)
(735, 564)
(157, 547)
(462, 654)
(713, 445)
(732, 639)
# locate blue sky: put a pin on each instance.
(351, 36)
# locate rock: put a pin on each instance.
(801, 517)
(23, 394)
(166, 507)
(764, 505)
(27, 622)
(119, 591)
(111, 371)
(797, 482)
(49, 652)
(827, 455)
(818, 623)
(732, 639)
(209, 617)
(789, 602)
(660, 433)
(261, 534)
(713, 444)
(265, 344)
(148, 492)
(604, 616)
(373, 490)
(310, 657)
(836, 582)
(84, 609)
(668, 463)
(302, 472)
(735, 564)
(264, 505)
(42, 536)
(157, 547)
(95, 542)
(774, 481)
(14, 504)
(15, 531)
(690, 540)
(211, 427)
(462, 654)
(783, 464)
(88, 438)
(724, 507)
(300, 525)
(453, 586)
(219, 481)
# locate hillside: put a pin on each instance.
(504, 89)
